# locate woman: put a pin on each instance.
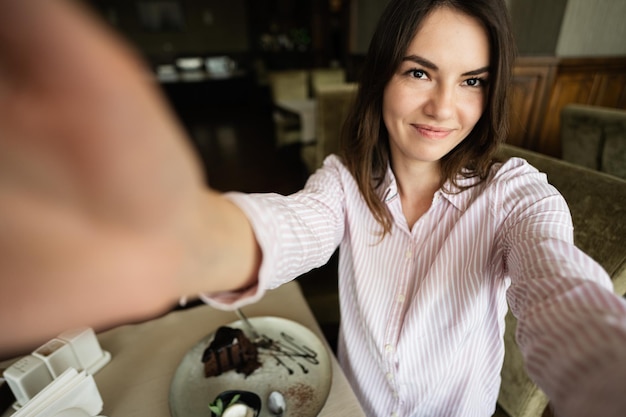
(431, 230)
(434, 236)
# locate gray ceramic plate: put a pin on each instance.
(300, 370)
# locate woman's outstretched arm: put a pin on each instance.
(104, 215)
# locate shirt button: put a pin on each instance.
(401, 298)
(394, 414)
(389, 348)
(408, 254)
(389, 376)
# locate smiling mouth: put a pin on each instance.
(432, 132)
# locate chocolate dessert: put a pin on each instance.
(230, 349)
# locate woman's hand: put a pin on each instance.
(104, 217)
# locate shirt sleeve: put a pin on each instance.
(296, 233)
(571, 326)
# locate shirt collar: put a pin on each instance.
(457, 196)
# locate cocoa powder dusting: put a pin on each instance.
(301, 394)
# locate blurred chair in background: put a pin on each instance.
(326, 76)
(594, 137)
(287, 85)
(333, 104)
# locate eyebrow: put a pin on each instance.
(430, 65)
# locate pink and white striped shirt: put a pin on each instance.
(422, 310)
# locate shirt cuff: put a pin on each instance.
(232, 300)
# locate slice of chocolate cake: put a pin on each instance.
(230, 349)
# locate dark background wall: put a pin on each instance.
(283, 33)
(306, 33)
(184, 27)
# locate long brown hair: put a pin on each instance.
(365, 140)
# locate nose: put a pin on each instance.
(441, 102)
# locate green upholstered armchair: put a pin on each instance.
(594, 137)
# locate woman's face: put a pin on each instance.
(438, 92)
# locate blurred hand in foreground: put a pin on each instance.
(102, 202)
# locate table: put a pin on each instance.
(145, 356)
(305, 109)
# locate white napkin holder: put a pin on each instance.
(85, 346)
(77, 349)
(72, 392)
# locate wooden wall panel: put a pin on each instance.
(593, 81)
(569, 88)
(611, 91)
(522, 100)
(532, 81)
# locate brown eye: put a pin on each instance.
(417, 73)
(475, 82)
